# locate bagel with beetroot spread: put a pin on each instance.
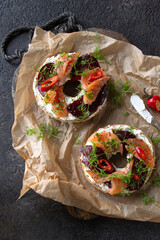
(70, 87)
(98, 159)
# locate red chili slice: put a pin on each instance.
(135, 176)
(97, 74)
(104, 164)
(141, 153)
(46, 85)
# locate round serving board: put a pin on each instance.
(75, 212)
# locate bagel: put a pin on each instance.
(100, 151)
(70, 87)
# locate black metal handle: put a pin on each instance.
(65, 22)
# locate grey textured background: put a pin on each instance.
(34, 217)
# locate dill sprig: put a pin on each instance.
(131, 128)
(76, 139)
(117, 90)
(156, 140)
(126, 178)
(126, 114)
(96, 53)
(83, 71)
(146, 199)
(89, 94)
(97, 36)
(99, 55)
(44, 73)
(43, 129)
(93, 162)
(52, 131)
(78, 88)
(39, 131)
(156, 181)
(84, 109)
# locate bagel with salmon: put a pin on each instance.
(109, 147)
(70, 87)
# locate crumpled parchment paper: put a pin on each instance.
(52, 166)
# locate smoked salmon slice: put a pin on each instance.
(85, 78)
(91, 92)
(56, 98)
(64, 65)
(131, 148)
(117, 185)
(107, 141)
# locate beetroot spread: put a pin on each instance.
(81, 110)
(85, 62)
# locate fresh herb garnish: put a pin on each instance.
(126, 178)
(156, 140)
(39, 131)
(147, 199)
(76, 139)
(78, 88)
(126, 114)
(93, 162)
(98, 137)
(131, 128)
(82, 72)
(117, 90)
(96, 53)
(156, 181)
(53, 131)
(99, 55)
(46, 72)
(43, 129)
(84, 109)
(89, 94)
(97, 36)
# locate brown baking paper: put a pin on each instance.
(52, 166)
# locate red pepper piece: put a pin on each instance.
(97, 74)
(104, 164)
(46, 85)
(154, 103)
(141, 153)
(135, 176)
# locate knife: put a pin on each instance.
(138, 104)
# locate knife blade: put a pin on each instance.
(139, 106)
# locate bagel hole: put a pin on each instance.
(72, 88)
(118, 160)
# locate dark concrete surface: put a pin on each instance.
(34, 217)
